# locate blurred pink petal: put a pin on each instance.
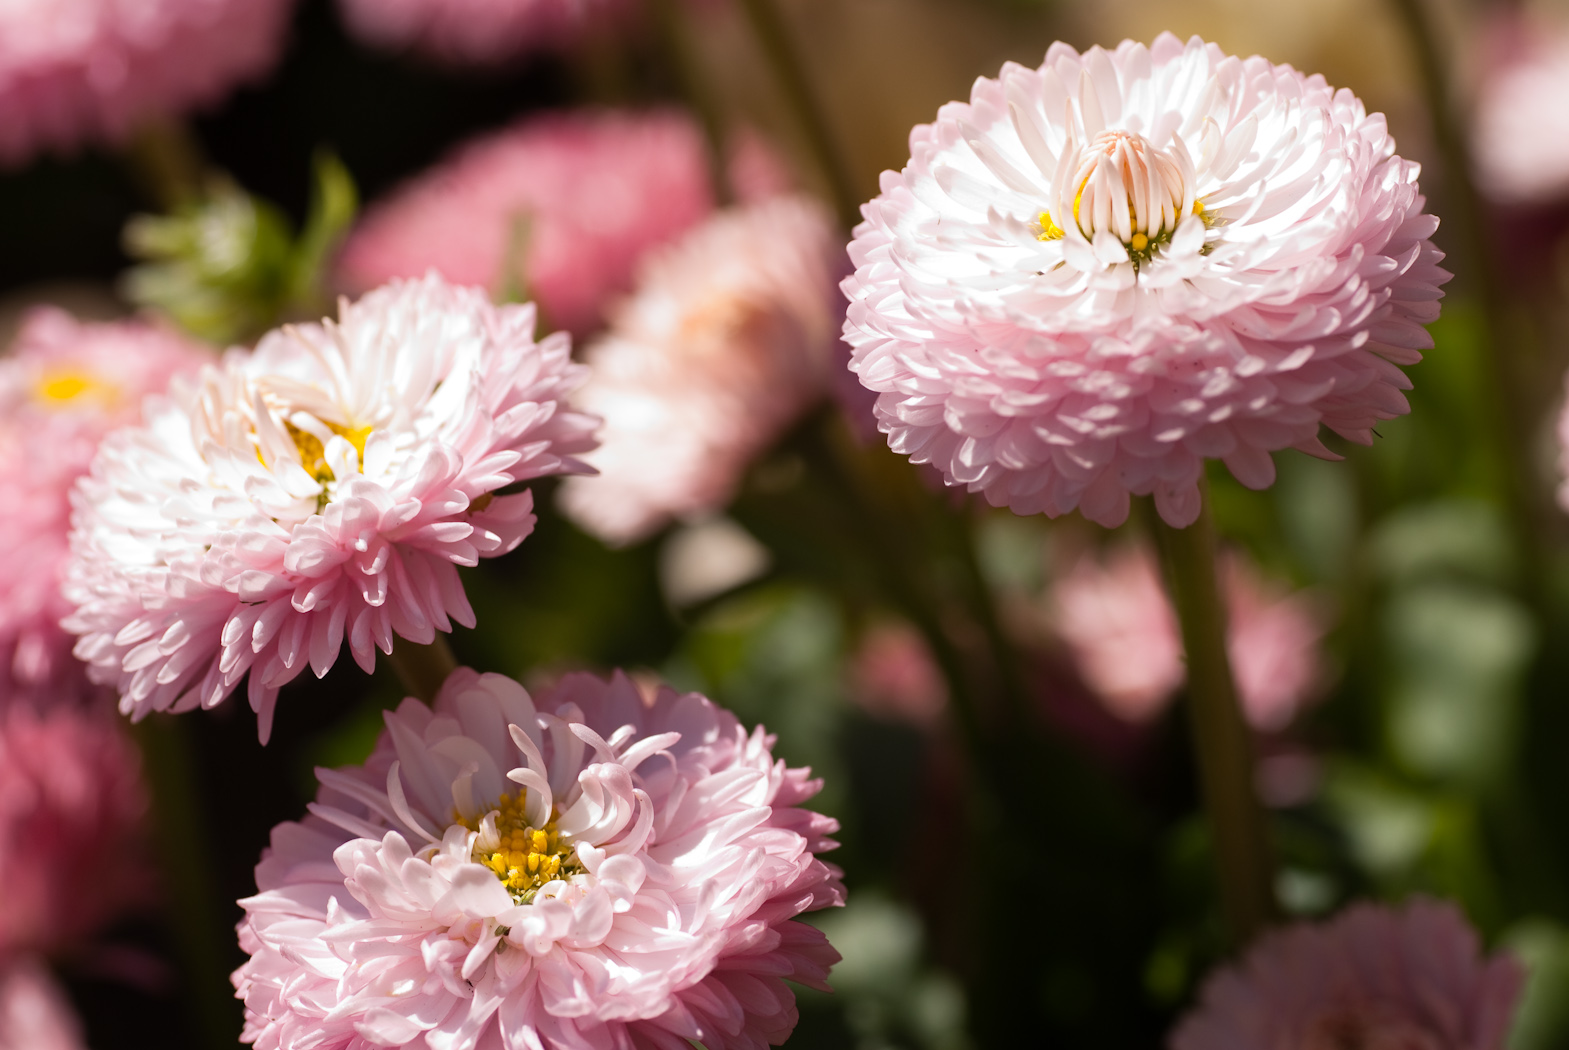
(34, 1012)
(893, 675)
(1520, 128)
(482, 32)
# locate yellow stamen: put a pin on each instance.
(1139, 242)
(63, 387)
(1050, 231)
(526, 857)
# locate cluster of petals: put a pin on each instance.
(327, 484)
(80, 71)
(72, 818)
(560, 206)
(477, 32)
(729, 337)
(1096, 274)
(1519, 130)
(64, 384)
(1373, 976)
(1119, 626)
(375, 926)
(34, 1011)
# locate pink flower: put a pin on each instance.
(327, 484)
(72, 807)
(1519, 131)
(63, 386)
(893, 675)
(728, 339)
(1099, 273)
(484, 32)
(1123, 634)
(561, 206)
(34, 1012)
(79, 71)
(589, 869)
(1373, 976)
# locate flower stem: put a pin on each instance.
(166, 160)
(785, 58)
(423, 668)
(1220, 737)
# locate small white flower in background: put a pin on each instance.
(326, 485)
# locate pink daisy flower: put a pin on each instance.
(78, 71)
(1123, 634)
(1373, 976)
(583, 870)
(63, 386)
(327, 484)
(562, 206)
(1096, 274)
(69, 782)
(34, 1012)
(482, 32)
(1519, 131)
(729, 337)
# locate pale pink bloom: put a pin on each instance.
(64, 385)
(1097, 274)
(482, 32)
(729, 337)
(34, 1012)
(80, 71)
(587, 869)
(1411, 978)
(1519, 129)
(893, 675)
(327, 484)
(1120, 627)
(72, 810)
(560, 206)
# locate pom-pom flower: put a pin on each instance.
(561, 207)
(63, 386)
(479, 32)
(75, 71)
(72, 807)
(1098, 273)
(582, 870)
(327, 484)
(728, 338)
(1519, 131)
(1371, 977)
(1123, 634)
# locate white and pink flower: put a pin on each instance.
(585, 869)
(326, 485)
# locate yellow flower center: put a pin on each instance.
(64, 387)
(313, 456)
(526, 857)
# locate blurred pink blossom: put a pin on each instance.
(481, 32)
(1120, 627)
(1382, 978)
(64, 385)
(1520, 128)
(729, 337)
(34, 1012)
(72, 809)
(893, 675)
(558, 208)
(80, 71)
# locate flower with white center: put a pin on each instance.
(727, 340)
(327, 484)
(1374, 977)
(1096, 274)
(584, 869)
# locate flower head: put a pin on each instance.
(77, 71)
(1123, 635)
(72, 810)
(328, 483)
(894, 675)
(63, 386)
(582, 869)
(1373, 976)
(481, 32)
(1098, 273)
(1519, 131)
(560, 206)
(727, 340)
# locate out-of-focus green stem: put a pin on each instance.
(423, 668)
(201, 937)
(696, 87)
(785, 58)
(1220, 737)
(167, 161)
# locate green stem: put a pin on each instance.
(201, 938)
(423, 668)
(785, 58)
(1221, 741)
(166, 160)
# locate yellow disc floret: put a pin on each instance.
(69, 387)
(524, 857)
